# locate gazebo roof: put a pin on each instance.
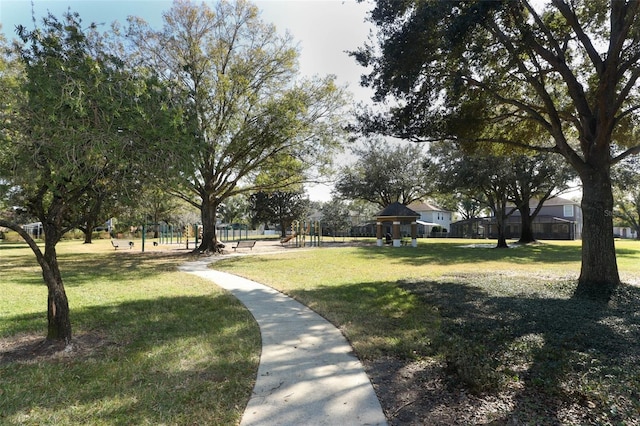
(397, 210)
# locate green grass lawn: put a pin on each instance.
(151, 345)
(499, 322)
(155, 346)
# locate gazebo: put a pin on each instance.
(398, 214)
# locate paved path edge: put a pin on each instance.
(308, 373)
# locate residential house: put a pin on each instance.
(624, 232)
(432, 216)
(558, 219)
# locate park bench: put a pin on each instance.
(244, 244)
(118, 243)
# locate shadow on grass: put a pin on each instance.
(556, 359)
(554, 354)
(379, 318)
(5, 247)
(156, 361)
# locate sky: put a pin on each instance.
(323, 29)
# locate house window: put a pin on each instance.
(568, 210)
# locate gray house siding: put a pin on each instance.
(558, 219)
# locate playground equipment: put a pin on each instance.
(288, 238)
(194, 231)
(303, 229)
(166, 234)
(229, 232)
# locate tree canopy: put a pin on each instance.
(81, 121)
(502, 71)
(336, 218)
(280, 207)
(384, 174)
(247, 110)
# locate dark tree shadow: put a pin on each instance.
(559, 358)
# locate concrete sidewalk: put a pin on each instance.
(308, 374)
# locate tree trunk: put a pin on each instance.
(599, 273)
(502, 239)
(88, 231)
(209, 242)
(500, 212)
(59, 321)
(526, 223)
(92, 217)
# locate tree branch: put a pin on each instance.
(631, 151)
(572, 20)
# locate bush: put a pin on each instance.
(100, 235)
(12, 237)
(74, 234)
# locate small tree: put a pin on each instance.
(385, 174)
(479, 177)
(80, 120)
(506, 182)
(99, 203)
(535, 177)
(336, 217)
(281, 207)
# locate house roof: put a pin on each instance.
(559, 201)
(397, 209)
(423, 206)
(553, 201)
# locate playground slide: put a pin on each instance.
(287, 239)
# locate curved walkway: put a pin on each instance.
(308, 374)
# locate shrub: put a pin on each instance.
(12, 237)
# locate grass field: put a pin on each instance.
(500, 325)
(151, 345)
(474, 335)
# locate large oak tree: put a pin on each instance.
(567, 70)
(248, 109)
